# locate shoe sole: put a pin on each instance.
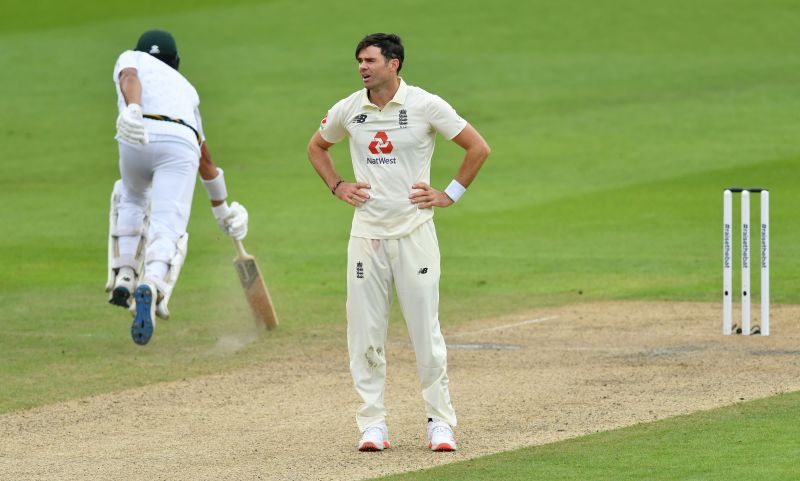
(120, 296)
(442, 447)
(369, 447)
(142, 327)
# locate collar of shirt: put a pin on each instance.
(399, 96)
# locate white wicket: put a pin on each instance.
(727, 255)
(727, 270)
(745, 263)
(765, 263)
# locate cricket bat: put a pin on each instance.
(254, 287)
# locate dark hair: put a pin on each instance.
(390, 44)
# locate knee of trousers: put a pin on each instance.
(370, 357)
(432, 362)
(162, 247)
(431, 352)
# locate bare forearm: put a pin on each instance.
(476, 151)
(323, 164)
(130, 86)
(472, 163)
(208, 169)
(354, 193)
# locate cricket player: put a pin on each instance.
(391, 127)
(161, 148)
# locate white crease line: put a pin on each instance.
(507, 326)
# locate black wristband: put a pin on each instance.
(333, 190)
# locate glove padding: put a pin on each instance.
(130, 125)
(232, 220)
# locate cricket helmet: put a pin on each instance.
(161, 45)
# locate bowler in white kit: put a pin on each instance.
(391, 127)
(161, 147)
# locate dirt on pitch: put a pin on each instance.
(517, 381)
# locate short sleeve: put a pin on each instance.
(332, 128)
(128, 59)
(199, 121)
(444, 118)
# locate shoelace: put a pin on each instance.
(441, 429)
(374, 430)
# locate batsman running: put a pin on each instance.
(161, 148)
(392, 127)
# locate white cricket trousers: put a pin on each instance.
(375, 266)
(164, 173)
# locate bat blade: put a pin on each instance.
(255, 290)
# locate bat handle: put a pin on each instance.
(239, 248)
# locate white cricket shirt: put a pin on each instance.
(391, 149)
(164, 92)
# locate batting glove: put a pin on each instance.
(130, 125)
(232, 220)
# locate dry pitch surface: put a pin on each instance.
(517, 381)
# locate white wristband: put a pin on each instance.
(221, 211)
(455, 190)
(216, 187)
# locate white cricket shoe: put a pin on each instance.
(144, 321)
(123, 287)
(374, 438)
(440, 436)
(162, 310)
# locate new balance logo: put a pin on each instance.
(424, 270)
(359, 119)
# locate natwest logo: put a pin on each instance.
(381, 144)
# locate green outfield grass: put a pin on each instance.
(753, 440)
(614, 127)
